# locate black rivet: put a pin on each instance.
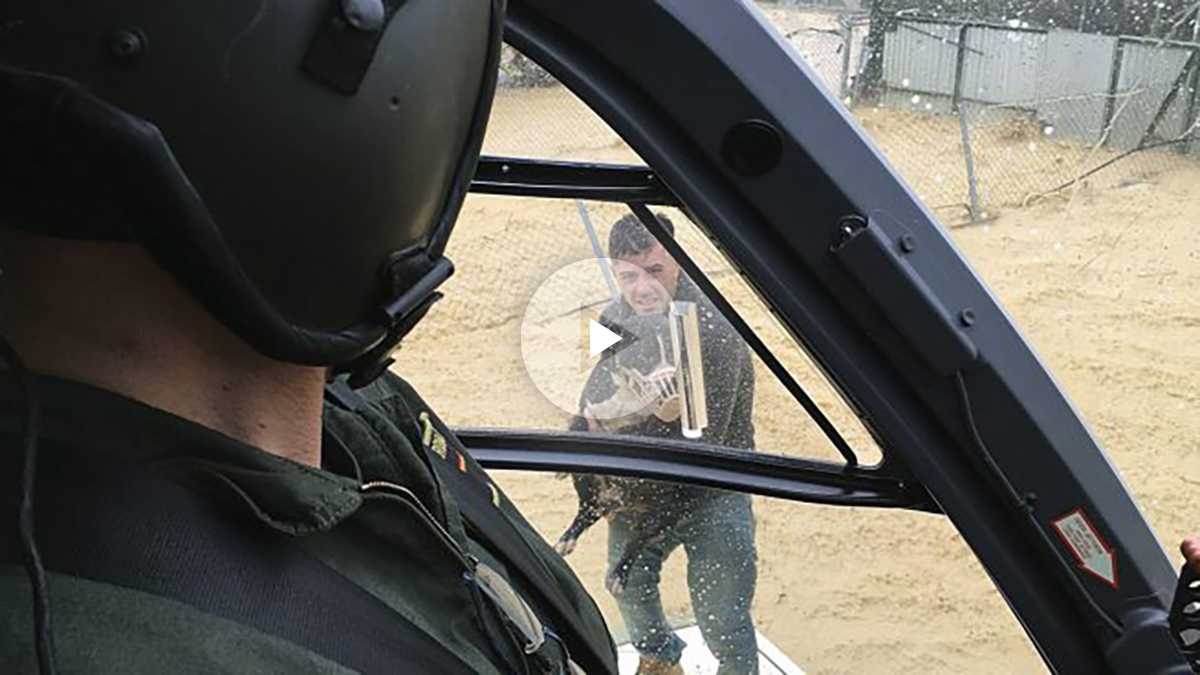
(908, 243)
(848, 227)
(752, 148)
(967, 317)
(365, 15)
(127, 46)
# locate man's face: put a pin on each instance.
(647, 280)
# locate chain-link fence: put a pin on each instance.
(979, 116)
(975, 116)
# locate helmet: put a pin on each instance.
(297, 165)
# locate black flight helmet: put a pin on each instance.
(296, 164)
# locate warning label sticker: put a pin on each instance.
(1084, 542)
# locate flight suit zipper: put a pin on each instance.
(527, 640)
(469, 562)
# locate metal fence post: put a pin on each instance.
(958, 107)
(847, 47)
(1110, 105)
(969, 157)
(960, 65)
(1189, 115)
(883, 19)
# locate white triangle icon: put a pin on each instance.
(600, 338)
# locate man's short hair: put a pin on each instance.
(629, 237)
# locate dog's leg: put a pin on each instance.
(591, 509)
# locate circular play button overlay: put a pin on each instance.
(566, 332)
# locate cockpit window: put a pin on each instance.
(533, 112)
(535, 271)
(828, 589)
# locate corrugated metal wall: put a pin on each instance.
(1002, 65)
(1062, 76)
(1073, 83)
(1148, 71)
(919, 61)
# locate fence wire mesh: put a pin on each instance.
(1024, 114)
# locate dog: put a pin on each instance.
(639, 394)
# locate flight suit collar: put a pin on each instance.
(287, 496)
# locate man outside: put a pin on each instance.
(715, 527)
(195, 239)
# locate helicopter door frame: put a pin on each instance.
(860, 273)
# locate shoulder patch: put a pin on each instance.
(431, 438)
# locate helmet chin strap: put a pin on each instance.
(400, 316)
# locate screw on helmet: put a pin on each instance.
(297, 165)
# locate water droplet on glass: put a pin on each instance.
(905, 82)
(1048, 129)
(1032, 146)
(1058, 246)
(916, 99)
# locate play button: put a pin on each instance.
(566, 331)
(600, 338)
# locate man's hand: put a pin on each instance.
(659, 393)
(1191, 552)
(637, 397)
(669, 409)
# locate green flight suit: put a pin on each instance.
(394, 440)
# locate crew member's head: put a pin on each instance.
(297, 167)
(647, 275)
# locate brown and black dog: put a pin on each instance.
(641, 400)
